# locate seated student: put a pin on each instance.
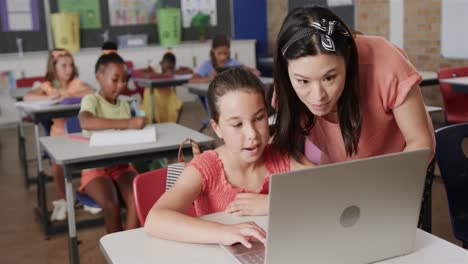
(167, 104)
(103, 110)
(60, 82)
(220, 60)
(234, 177)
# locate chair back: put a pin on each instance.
(453, 165)
(456, 108)
(28, 82)
(148, 187)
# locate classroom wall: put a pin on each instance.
(422, 31)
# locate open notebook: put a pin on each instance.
(123, 137)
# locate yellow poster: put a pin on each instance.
(66, 31)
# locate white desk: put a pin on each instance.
(202, 88)
(459, 84)
(160, 83)
(428, 78)
(38, 115)
(19, 93)
(76, 155)
(135, 246)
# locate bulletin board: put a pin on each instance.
(93, 37)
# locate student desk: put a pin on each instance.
(135, 246)
(428, 78)
(160, 83)
(39, 114)
(202, 88)
(19, 93)
(459, 84)
(76, 155)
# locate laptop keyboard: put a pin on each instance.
(255, 257)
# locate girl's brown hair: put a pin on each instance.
(54, 55)
(235, 79)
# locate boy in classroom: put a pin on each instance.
(233, 177)
(61, 81)
(104, 110)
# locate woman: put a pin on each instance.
(352, 96)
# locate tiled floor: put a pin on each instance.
(22, 241)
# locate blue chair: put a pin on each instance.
(72, 125)
(453, 165)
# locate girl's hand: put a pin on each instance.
(242, 233)
(138, 122)
(248, 204)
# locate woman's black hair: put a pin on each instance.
(105, 59)
(294, 119)
(235, 79)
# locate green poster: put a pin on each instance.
(89, 11)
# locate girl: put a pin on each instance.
(234, 177)
(220, 58)
(352, 96)
(103, 110)
(60, 82)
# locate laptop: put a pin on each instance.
(359, 211)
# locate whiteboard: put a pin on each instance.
(454, 33)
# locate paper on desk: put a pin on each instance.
(123, 137)
(37, 104)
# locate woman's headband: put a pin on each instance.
(324, 30)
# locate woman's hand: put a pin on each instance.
(138, 122)
(242, 233)
(248, 204)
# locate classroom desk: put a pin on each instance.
(169, 137)
(39, 114)
(202, 88)
(160, 83)
(459, 84)
(135, 246)
(428, 78)
(19, 93)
